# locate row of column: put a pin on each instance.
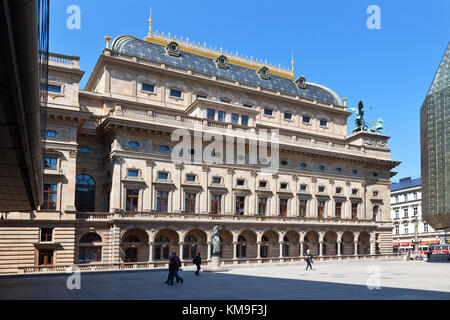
(302, 246)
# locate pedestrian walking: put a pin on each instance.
(174, 266)
(197, 261)
(309, 259)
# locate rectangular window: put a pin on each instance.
(175, 93)
(132, 200)
(263, 184)
(50, 191)
(211, 114)
(190, 203)
(221, 116)
(163, 175)
(396, 199)
(240, 206)
(321, 189)
(354, 210)
(405, 213)
(321, 209)
(216, 204)
(89, 254)
(50, 163)
(323, 123)
(425, 227)
(268, 112)
(354, 192)
(240, 182)
(190, 178)
(397, 229)
(397, 214)
(162, 200)
(148, 87)
(416, 211)
(262, 206)
(244, 120)
(288, 116)
(51, 88)
(133, 173)
(338, 210)
(406, 230)
(217, 180)
(306, 119)
(338, 190)
(46, 257)
(283, 207)
(303, 204)
(415, 195)
(406, 197)
(46, 234)
(283, 186)
(303, 187)
(234, 118)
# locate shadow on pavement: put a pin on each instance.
(207, 286)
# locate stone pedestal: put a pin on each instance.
(215, 265)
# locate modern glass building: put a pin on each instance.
(435, 148)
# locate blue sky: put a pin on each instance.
(389, 69)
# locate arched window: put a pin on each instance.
(90, 237)
(85, 193)
(131, 238)
(189, 247)
(264, 247)
(89, 248)
(161, 248)
(241, 247)
(375, 213)
(286, 245)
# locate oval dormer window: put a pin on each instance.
(173, 49)
(163, 148)
(52, 133)
(264, 73)
(134, 144)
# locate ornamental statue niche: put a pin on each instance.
(362, 125)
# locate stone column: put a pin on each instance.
(234, 250)
(313, 213)
(229, 197)
(204, 195)
(116, 194)
(331, 207)
(178, 194)
(274, 200)
(209, 250)
(294, 200)
(321, 248)
(252, 203)
(339, 244)
(281, 249)
(181, 250)
(258, 250)
(150, 252)
(372, 247)
(302, 248)
(356, 248)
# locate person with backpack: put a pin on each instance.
(174, 266)
(309, 259)
(197, 261)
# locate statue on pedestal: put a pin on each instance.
(216, 241)
(360, 123)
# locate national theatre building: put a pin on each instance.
(120, 193)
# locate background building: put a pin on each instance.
(116, 197)
(23, 39)
(435, 148)
(406, 211)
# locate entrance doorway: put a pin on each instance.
(131, 255)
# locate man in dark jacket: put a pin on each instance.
(174, 266)
(197, 261)
(309, 259)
